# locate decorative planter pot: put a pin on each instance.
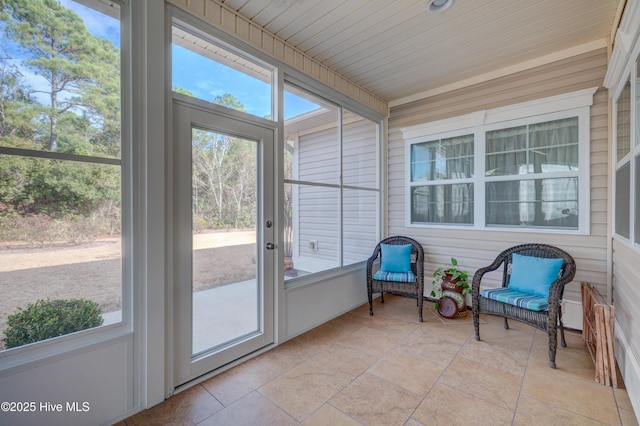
(448, 284)
(452, 296)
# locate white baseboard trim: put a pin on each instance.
(572, 314)
(629, 367)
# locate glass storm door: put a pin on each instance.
(222, 239)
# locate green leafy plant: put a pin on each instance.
(452, 274)
(46, 319)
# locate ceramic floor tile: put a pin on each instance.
(518, 337)
(586, 398)
(301, 391)
(321, 336)
(390, 369)
(393, 326)
(186, 408)
(496, 355)
(622, 397)
(348, 322)
(241, 380)
(535, 412)
(628, 417)
(437, 349)
(328, 415)
(410, 372)
(574, 359)
(396, 307)
(446, 406)
(253, 409)
(370, 341)
(286, 356)
(496, 386)
(340, 362)
(374, 401)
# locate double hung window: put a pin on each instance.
(513, 171)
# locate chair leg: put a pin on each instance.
(419, 302)
(563, 343)
(476, 323)
(553, 345)
(506, 324)
(370, 295)
(382, 297)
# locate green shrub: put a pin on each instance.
(45, 319)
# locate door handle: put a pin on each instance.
(270, 246)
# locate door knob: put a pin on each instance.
(270, 246)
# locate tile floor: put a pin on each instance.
(389, 369)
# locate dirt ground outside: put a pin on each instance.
(93, 271)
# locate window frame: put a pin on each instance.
(574, 104)
(64, 345)
(631, 159)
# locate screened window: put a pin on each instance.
(62, 175)
(331, 184)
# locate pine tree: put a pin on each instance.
(60, 49)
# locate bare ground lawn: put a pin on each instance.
(93, 271)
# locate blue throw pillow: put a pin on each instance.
(533, 275)
(396, 258)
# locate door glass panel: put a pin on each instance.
(226, 291)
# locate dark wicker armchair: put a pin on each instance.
(545, 319)
(413, 288)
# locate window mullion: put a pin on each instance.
(480, 179)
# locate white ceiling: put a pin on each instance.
(395, 49)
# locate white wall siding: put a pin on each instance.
(626, 294)
(477, 248)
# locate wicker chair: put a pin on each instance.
(545, 320)
(412, 289)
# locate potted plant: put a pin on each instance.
(450, 278)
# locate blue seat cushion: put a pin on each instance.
(400, 277)
(396, 258)
(517, 298)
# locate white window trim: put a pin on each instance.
(572, 104)
(619, 164)
(630, 158)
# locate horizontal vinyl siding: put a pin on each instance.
(359, 153)
(473, 248)
(318, 160)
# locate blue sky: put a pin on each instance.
(203, 77)
(207, 79)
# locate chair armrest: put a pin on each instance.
(477, 277)
(370, 262)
